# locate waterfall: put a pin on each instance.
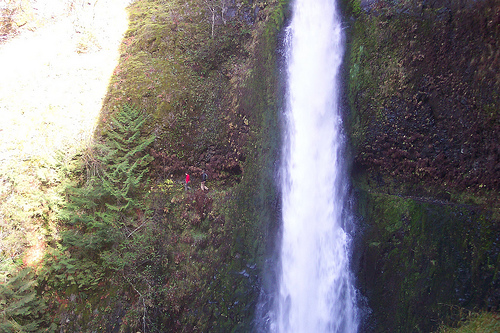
(316, 292)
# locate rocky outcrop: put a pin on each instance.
(424, 96)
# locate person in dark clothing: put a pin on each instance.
(203, 180)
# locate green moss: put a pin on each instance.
(253, 213)
(484, 322)
(407, 82)
(351, 7)
(412, 247)
(376, 73)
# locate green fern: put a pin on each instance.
(99, 212)
(21, 310)
(125, 160)
(123, 167)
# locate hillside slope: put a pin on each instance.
(130, 248)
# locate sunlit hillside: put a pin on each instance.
(55, 70)
(116, 241)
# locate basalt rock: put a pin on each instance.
(424, 91)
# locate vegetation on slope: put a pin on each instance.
(46, 121)
(484, 322)
(135, 251)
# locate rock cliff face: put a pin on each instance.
(423, 90)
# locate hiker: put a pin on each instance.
(187, 182)
(203, 180)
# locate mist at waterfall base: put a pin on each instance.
(314, 286)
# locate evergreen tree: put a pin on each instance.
(103, 205)
(99, 212)
(126, 163)
(20, 308)
(122, 174)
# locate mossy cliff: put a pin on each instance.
(134, 250)
(423, 90)
(208, 84)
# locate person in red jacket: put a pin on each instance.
(187, 182)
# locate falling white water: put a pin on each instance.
(316, 293)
